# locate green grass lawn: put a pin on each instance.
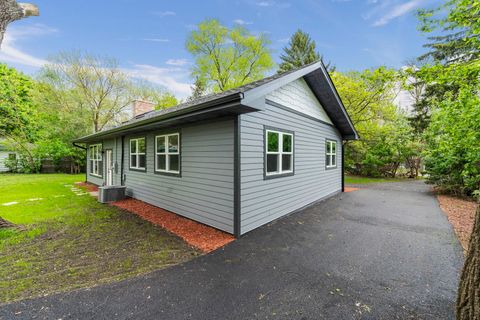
(366, 180)
(66, 239)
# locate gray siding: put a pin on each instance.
(265, 200)
(204, 192)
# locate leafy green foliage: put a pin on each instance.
(18, 115)
(460, 27)
(385, 134)
(300, 51)
(228, 58)
(452, 156)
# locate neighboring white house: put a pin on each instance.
(5, 154)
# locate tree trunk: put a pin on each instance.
(5, 224)
(10, 11)
(468, 299)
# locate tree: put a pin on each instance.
(18, 113)
(460, 27)
(468, 298)
(89, 86)
(386, 136)
(300, 51)
(10, 11)
(198, 89)
(227, 58)
(165, 100)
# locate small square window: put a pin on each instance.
(167, 153)
(279, 152)
(138, 158)
(330, 154)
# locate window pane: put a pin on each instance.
(141, 145)
(91, 166)
(174, 162)
(133, 146)
(287, 143)
(161, 162)
(272, 140)
(100, 168)
(286, 162)
(334, 160)
(142, 161)
(133, 161)
(272, 163)
(334, 146)
(161, 144)
(173, 143)
(327, 160)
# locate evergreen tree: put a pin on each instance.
(458, 40)
(198, 89)
(300, 51)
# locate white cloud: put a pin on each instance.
(242, 22)
(177, 62)
(283, 40)
(156, 39)
(165, 13)
(272, 3)
(396, 12)
(9, 52)
(172, 79)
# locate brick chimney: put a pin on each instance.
(140, 107)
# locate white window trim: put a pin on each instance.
(94, 170)
(137, 154)
(167, 153)
(280, 152)
(330, 154)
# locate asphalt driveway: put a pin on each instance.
(383, 252)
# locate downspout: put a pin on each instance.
(122, 161)
(343, 166)
(236, 178)
(84, 148)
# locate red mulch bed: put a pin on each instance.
(461, 214)
(87, 186)
(194, 233)
(350, 189)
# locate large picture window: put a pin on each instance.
(331, 154)
(167, 153)
(138, 159)
(279, 152)
(96, 160)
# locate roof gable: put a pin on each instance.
(298, 96)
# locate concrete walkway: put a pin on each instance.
(385, 251)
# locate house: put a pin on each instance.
(6, 155)
(235, 160)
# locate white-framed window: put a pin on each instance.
(278, 152)
(167, 153)
(96, 160)
(331, 154)
(138, 158)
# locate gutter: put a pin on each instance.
(237, 96)
(84, 148)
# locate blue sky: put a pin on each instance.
(148, 37)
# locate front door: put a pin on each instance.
(109, 163)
